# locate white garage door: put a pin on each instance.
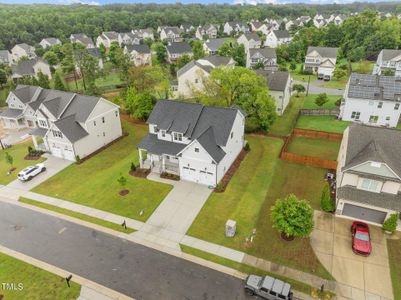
(69, 155)
(188, 174)
(57, 152)
(206, 178)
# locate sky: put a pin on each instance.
(253, 2)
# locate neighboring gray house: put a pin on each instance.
(187, 27)
(210, 31)
(259, 26)
(22, 50)
(369, 173)
(235, 27)
(178, 49)
(321, 61)
(146, 33)
(266, 57)
(279, 83)
(5, 57)
(129, 38)
(388, 61)
(83, 39)
(139, 54)
(170, 34)
(106, 38)
(211, 46)
(31, 67)
(372, 99)
(199, 143)
(250, 40)
(69, 124)
(276, 38)
(48, 42)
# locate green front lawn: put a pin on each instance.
(394, 256)
(309, 102)
(37, 284)
(18, 152)
(364, 67)
(94, 182)
(260, 180)
(335, 84)
(322, 123)
(325, 149)
(285, 123)
(297, 75)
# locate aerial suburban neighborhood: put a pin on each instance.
(229, 150)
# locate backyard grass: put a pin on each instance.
(111, 78)
(309, 102)
(336, 84)
(3, 96)
(284, 124)
(94, 182)
(18, 152)
(322, 148)
(364, 67)
(394, 256)
(260, 180)
(322, 123)
(297, 75)
(38, 284)
(74, 214)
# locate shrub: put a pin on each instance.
(78, 159)
(299, 88)
(133, 167)
(219, 187)
(338, 102)
(30, 150)
(391, 223)
(247, 147)
(292, 217)
(321, 99)
(122, 181)
(326, 203)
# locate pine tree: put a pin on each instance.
(58, 83)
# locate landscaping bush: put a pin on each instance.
(247, 147)
(78, 159)
(219, 187)
(133, 167)
(391, 223)
(326, 203)
(306, 72)
(338, 102)
(30, 150)
(321, 99)
(292, 217)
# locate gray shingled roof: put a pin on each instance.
(179, 48)
(52, 40)
(384, 200)
(207, 63)
(208, 141)
(389, 54)
(252, 36)
(153, 145)
(366, 143)
(5, 55)
(265, 52)
(176, 30)
(25, 46)
(328, 52)
(138, 48)
(71, 128)
(25, 67)
(25, 92)
(215, 44)
(276, 80)
(281, 34)
(83, 38)
(374, 87)
(217, 60)
(11, 113)
(111, 35)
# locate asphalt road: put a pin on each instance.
(129, 268)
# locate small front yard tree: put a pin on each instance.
(292, 217)
(9, 160)
(299, 88)
(390, 225)
(321, 99)
(326, 203)
(122, 180)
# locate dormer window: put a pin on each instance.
(177, 136)
(163, 132)
(57, 133)
(197, 150)
(155, 129)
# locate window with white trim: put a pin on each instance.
(380, 105)
(355, 115)
(163, 132)
(370, 184)
(396, 106)
(103, 120)
(57, 133)
(177, 136)
(196, 149)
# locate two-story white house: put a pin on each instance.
(372, 99)
(321, 61)
(128, 38)
(276, 38)
(139, 54)
(83, 39)
(49, 42)
(265, 58)
(212, 46)
(235, 27)
(22, 50)
(257, 26)
(192, 77)
(250, 40)
(31, 68)
(106, 38)
(5, 57)
(177, 50)
(69, 124)
(171, 34)
(199, 143)
(144, 33)
(369, 173)
(388, 61)
(209, 31)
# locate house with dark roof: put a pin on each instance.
(5, 57)
(369, 174)
(191, 77)
(212, 46)
(372, 99)
(279, 83)
(48, 42)
(235, 27)
(209, 31)
(22, 50)
(69, 124)
(259, 26)
(170, 33)
(144, 33)
(250, 40)
(265, 58)
(31, 68)
(177, 49)
(129, 38)
(139, 54)
(199, 143)
(106, 38)
(82, 38)
(388, 63)
(321, 61)
(276, 38)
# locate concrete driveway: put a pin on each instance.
(316, 88)
(53, 166)
(358, 277)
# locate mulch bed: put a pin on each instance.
(166, 175)
(123, 192)
(231, 171)
(142, 173)
(32, 157)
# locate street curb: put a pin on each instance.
(63, 273)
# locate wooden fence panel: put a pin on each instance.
(309, 160)
(317, 134)
(320, 112)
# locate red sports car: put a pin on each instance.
(361, 243)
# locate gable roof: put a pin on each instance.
(265, 52)
(275, 80)
(281, 34)
(25, 93)
(5, 55)
(71, 128)
(208, 141)
(252, 36)
(366, 143)
(389, 54)
(138, 48)
(207, 64)
(328, 52)
(25, 67)
(81, 37)
(111, 35)
(25, 46)
(51, 40)
(174, 29)
(179, 47)
(215, 44)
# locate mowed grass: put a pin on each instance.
(284, 124)
(297, 75)
(18, 152)
(322, 148)
(83, 217)
(94, 182)
(309, 102)
(336, 83)
(37, 284)
(259, 181)
(364, 67)
(322, 123)
(394, 256)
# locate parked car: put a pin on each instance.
(361, 243)
(268, 288)
(31, 171)
(326, 77)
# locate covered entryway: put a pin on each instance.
(363, 213)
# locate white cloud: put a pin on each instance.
(83, 2)
(255, 2)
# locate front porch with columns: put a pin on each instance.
(158, 163)
(37, 135)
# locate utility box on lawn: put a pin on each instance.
(231, 226)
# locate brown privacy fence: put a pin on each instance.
(305, 159)
(320, 112)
